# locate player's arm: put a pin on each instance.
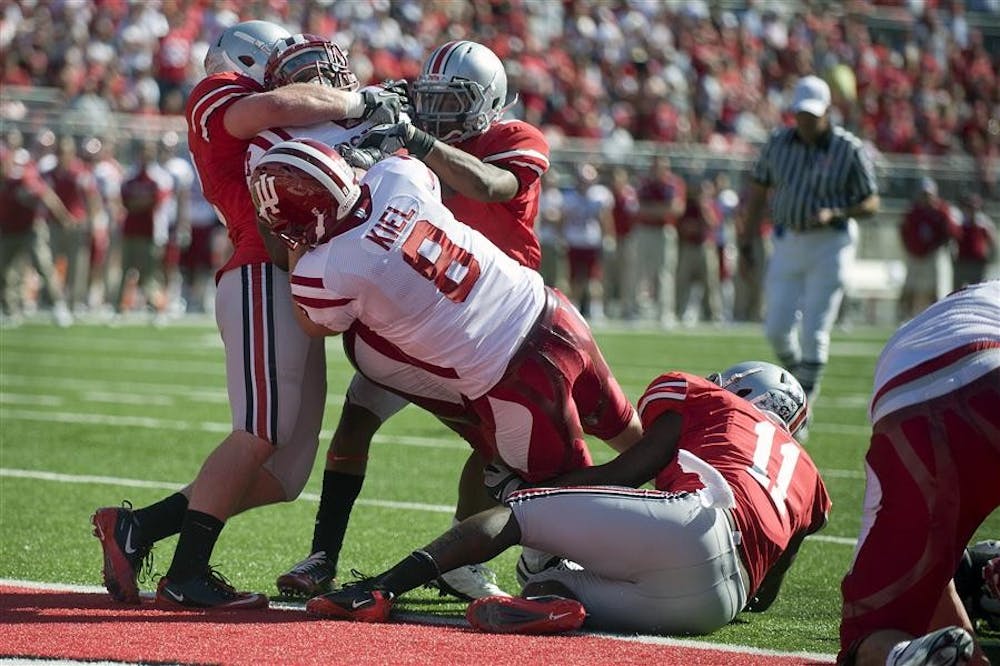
(53, 203)
(636, 465)
(311, 328)
(294, 105)
(458, 170)
(470, 176)
(276, 248)
(769, 587)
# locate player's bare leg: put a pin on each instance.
(343, 477)
(472, 581)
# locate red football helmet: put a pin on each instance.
(303, 58)
(302, 190)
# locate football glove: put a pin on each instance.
(401, 88)
(501, 480)
(391, 137)
(361, 158)
(991, 578)
(382, 106)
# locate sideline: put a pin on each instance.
(434, 620)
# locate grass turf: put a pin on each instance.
(92, 414)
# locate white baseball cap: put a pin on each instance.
(812, 95)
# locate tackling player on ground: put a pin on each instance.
(736, 496)
(435, 312)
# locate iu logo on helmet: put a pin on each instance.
(266, 197)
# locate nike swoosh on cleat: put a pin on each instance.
(179, 598)
(559, 616)
(129, 550)
(358, 604)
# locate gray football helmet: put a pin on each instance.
(461, 91)
(768, 387)
(244, 48)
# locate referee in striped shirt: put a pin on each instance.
(822, 179)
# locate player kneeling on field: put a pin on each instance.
(735, 497)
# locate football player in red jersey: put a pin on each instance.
(276, 391)
(735, 497)
(932, 468)
(490, 170)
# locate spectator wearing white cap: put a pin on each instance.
(822, 179)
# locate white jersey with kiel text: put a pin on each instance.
(434, 288)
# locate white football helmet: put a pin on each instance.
(461, 91)
(244, 48)
(304, 58)
(302, 190)
(768, 387)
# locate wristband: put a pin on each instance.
(419, 143)
(355, 106)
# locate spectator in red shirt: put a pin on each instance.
(22, 234)
(145, 196)
(697, 255)
(927, 230)
(74, 184)
(661, 200)
(621, 254)
(977, 242)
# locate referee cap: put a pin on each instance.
(812, 95)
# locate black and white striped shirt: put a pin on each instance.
(835, 172)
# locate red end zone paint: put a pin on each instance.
(90, 626)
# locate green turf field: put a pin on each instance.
(92, 415)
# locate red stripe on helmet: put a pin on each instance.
(439, 58)
(291, 148)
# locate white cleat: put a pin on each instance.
(474, 581)
(944, 647)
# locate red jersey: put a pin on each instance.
(978, 238)
(73, 184)
(625, 210)
(776, 485)
(699, 222)
(518, 147)
(661, 191)
(218, 158)
(143, 195)
(21, 188)
(926, 228)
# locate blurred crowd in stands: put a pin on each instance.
(917, 77)
(682, 71)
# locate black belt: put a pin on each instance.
(839, 224)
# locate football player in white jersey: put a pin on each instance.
(437, 313)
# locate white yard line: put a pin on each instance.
(54, 477)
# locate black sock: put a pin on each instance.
(339, 493)
(162, 519)
(418, 568)
(198, 536)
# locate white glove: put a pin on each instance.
(501, 480)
